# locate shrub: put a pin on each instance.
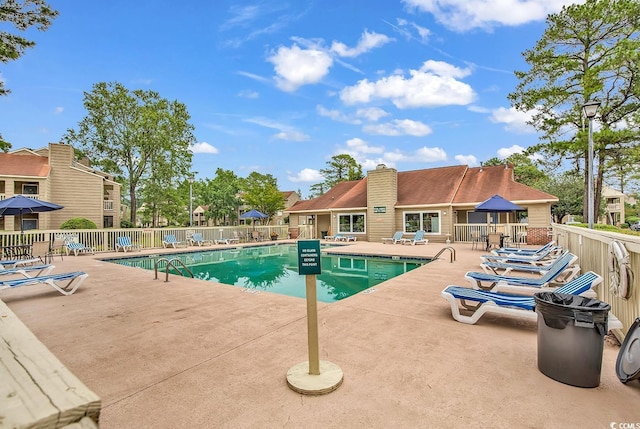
(78, 223)
(126, 224)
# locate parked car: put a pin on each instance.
(635, 226)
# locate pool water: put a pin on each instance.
(274, 268)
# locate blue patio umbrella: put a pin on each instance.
(20, 205)
(497, 204)
(253, 214)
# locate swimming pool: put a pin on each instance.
(274, 268)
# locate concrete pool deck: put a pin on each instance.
(192, 354)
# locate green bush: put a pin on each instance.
(78, 223)
(126, 224)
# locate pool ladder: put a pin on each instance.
(450, 249)
(170, 263)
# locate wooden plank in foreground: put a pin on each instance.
(36, 389)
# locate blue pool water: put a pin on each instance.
(274, 268)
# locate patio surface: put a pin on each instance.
(195, 354)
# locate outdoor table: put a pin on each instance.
(17, 251)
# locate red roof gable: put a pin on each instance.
(24, 165)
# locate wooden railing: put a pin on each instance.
(592, 248)
(463, 232)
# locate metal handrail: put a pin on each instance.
(449, 248)
(170, 264)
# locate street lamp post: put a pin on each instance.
(191, 179)
(590, 109)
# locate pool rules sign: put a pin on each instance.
(314, 377)
(309, 257)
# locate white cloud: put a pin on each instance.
(367, 42)
(430, 154)
(253, 76)
(514, 120)
(466, 160)
(204, 147)
(306, 175)
(58, 110)
(359, 146)
(371, 113)
(295, 136)
(506, 152)
(464, 15)
(434, 84)
(399, 127)
(246, 93)
(336, 115)
(296, 67)
(478, 109)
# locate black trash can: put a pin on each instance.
(571, 332)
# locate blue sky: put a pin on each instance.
(281, 86)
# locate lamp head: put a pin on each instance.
(591, 108)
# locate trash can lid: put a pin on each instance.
(628, 362)
(576, 302)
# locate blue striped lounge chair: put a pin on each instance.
(506, 268)
(480, 302)
(170, 240)
(198, 240)
(397, 238)
(561, 273)
(541, 258)
(124, 243)
(14, 263)
(77, 248)
(28, 271)
(520, 251)
(65, 283)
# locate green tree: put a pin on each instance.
(5, 146)
(141, 138)
(261, 193)
(340, 168)
(21, 15)
(525, 170)
(568, 187)
(588, 51)
(221, 194)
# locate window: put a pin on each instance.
(28, 224)
(427, 221)
(30, 189)
(351, 222)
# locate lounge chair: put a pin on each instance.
(197, 240)
(65, 283)
(560, 273)
(76, 248)
(14, 263)
(534, 259)
(170, 240)
(397, 238)
(506, 268)
(125, 244)
(29, 271)
(518, 250)
(417, 239)
(480, 302)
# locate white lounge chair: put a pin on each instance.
(28, 271)
(14, 263)
(197, 240)
(560, 273)
(125, 244)
(481, 302)
(506, 268)
(65, 283)
(397, 238)
(418, 238)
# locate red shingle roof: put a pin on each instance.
(444, 185)
(24, 165)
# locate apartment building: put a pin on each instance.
(54, 174)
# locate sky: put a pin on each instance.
(279, 87)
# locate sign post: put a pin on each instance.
(314, 377)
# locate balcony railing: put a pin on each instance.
(107, 205)
(36, 196)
